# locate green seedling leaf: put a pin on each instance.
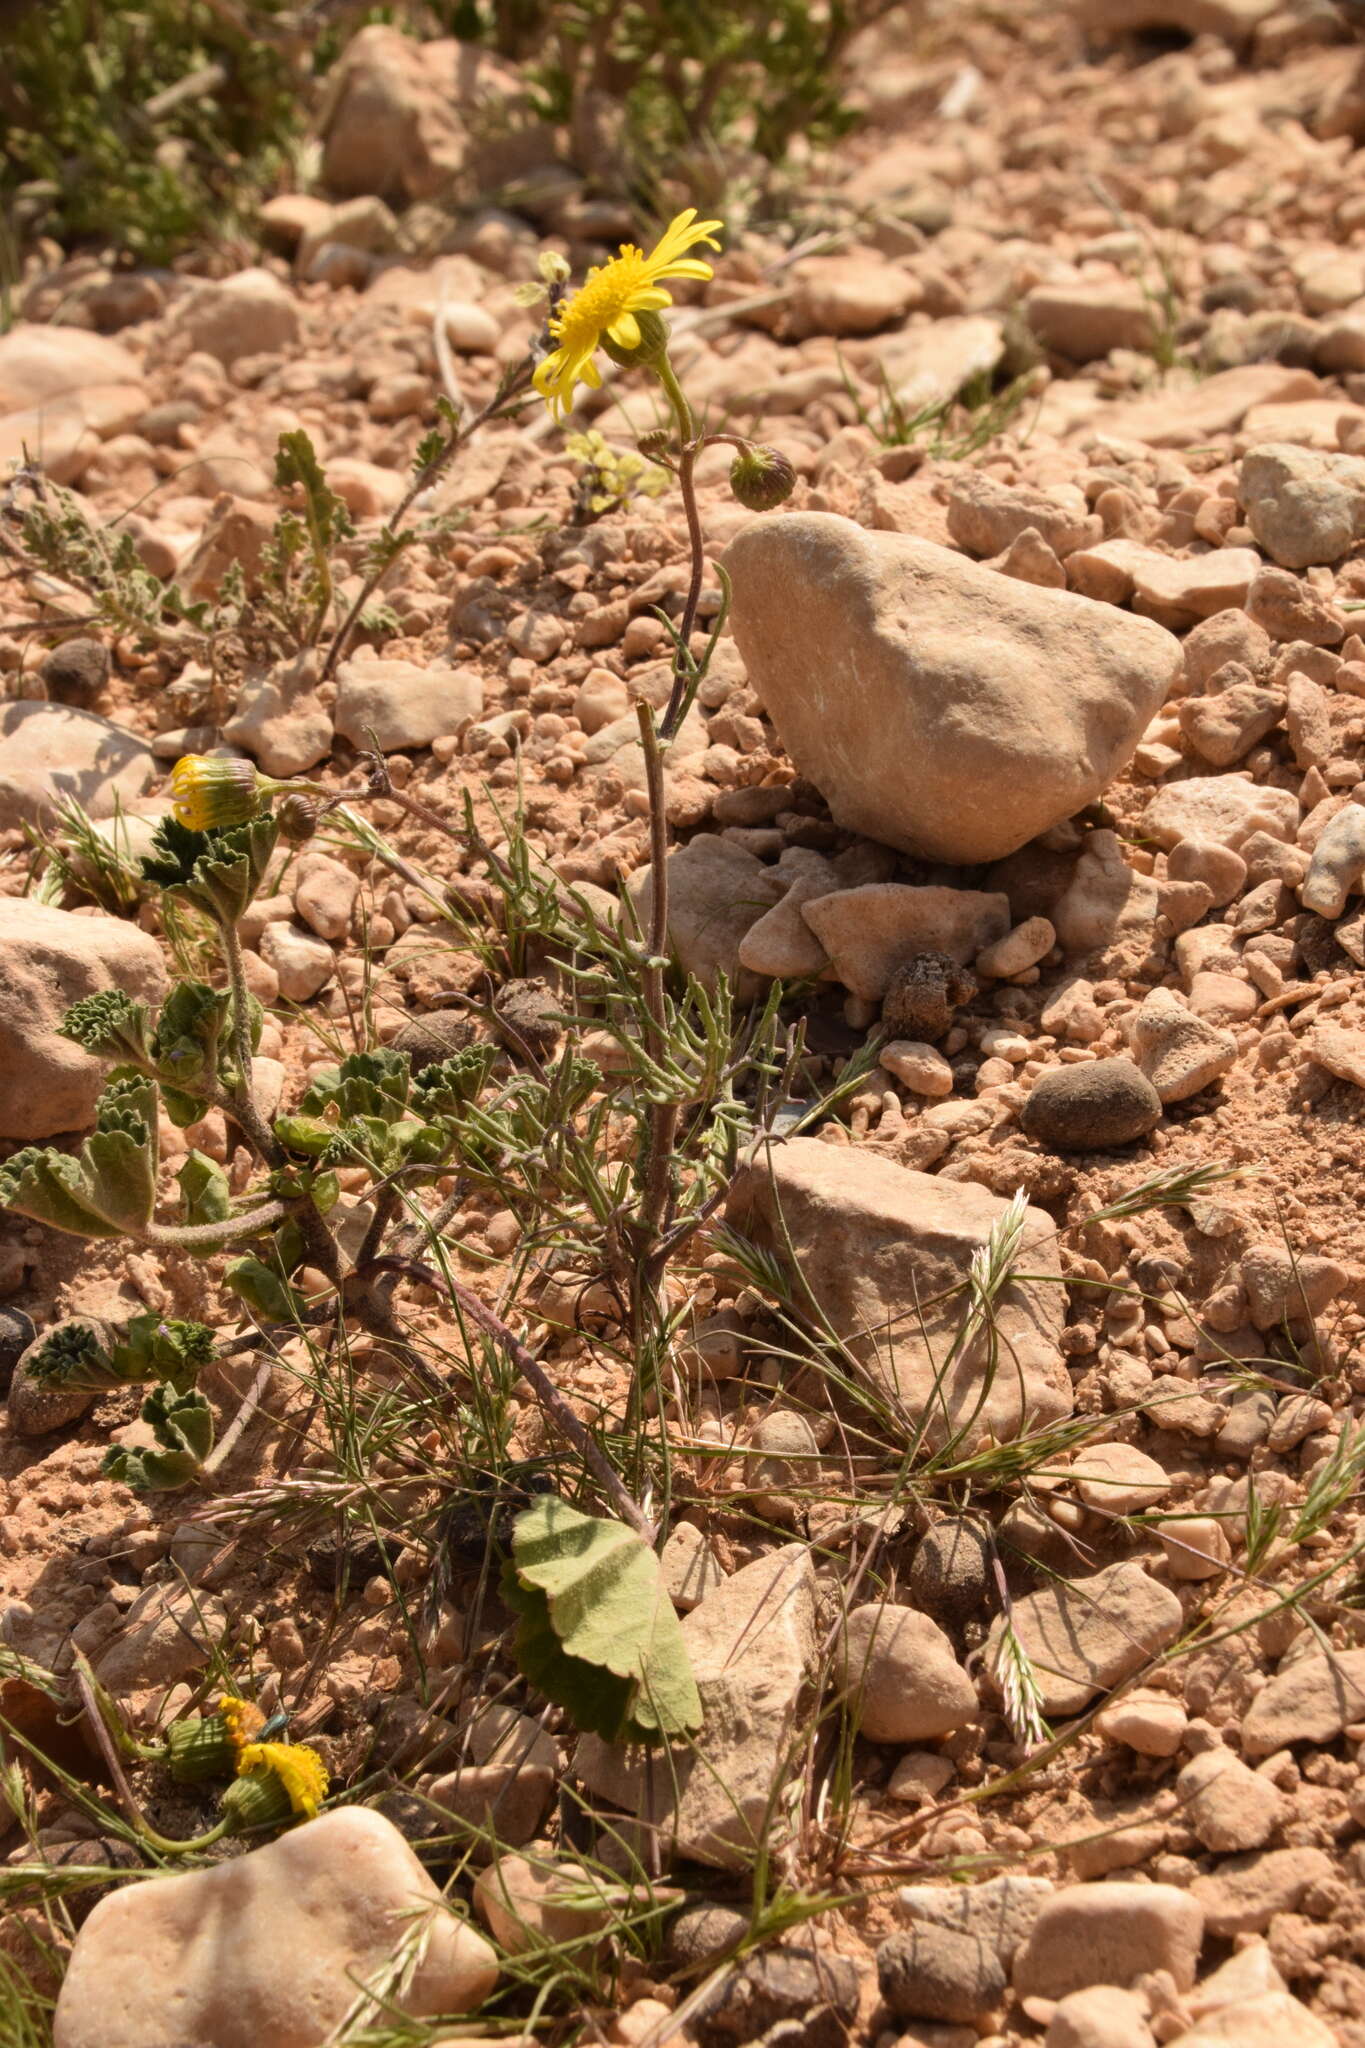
(204, 1186)
(183, 1427)
(598, 1632)
(267, 1296)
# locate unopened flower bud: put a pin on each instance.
(655, 443)
(761, 478)
(297, 816)
(649, 349)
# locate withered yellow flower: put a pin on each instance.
(209, 791)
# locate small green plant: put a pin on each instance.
(609, 477)
(948, 429)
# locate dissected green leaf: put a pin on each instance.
(162, 1347)
(72, 1356)
(365, 1084)
(109, 1023)
(219, 872)
(598, 1632)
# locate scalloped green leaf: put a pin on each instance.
(598, 1632)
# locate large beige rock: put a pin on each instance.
(274, 1949)
(38, 363)
(248, 314)
(753, 1649)
(957, 745)
(51, 959)
(885, 1253)
(406, 119)
(395, 704)
(1214, 405)
(48, 751)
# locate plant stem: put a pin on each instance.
(232, 1436)
(510, 388)
(243, 1101)
(546, 1392)
(208, 1236)
(687, 484)
(168, 1847)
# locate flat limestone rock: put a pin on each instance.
(958, 745)
(885, 1252)
(272, 1949)
(869, 932)
(51, 959)
(48, 751)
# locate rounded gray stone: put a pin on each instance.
(1090, 1107)
(935, 1973)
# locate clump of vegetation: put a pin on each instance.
(143, 123)
(758, 71)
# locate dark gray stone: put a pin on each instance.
(1090, 1107)
(76, 671)
(933, 1973)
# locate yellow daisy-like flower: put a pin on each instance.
(212, 790)
(290, 1767)
(606, 304)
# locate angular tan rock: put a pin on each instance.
(51, 959)
(1215, 405)
(904, 1683)
(273, 1949)
(1244, 1893)
(1304, 505)
(1272, 2020)
(868, 933)
(959, 747)
(885, 1253)
(1310, 1700)
(1109, 1934)
(403, 705)
(1084, 1635)
(1229, 1806)
(753, 1649)
(38, 363)
(166, 1633)
(716, 892)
